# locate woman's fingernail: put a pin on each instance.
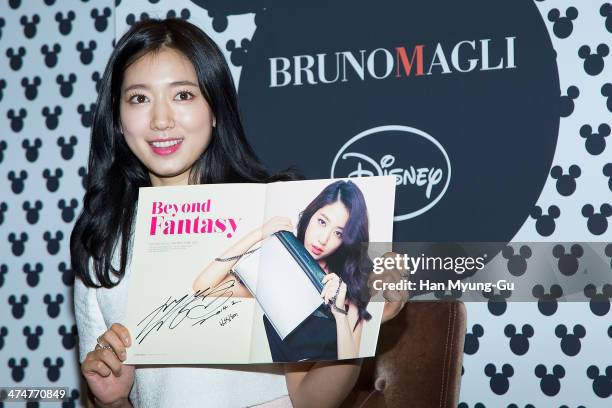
(123, 355)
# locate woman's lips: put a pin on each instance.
(316, 250)
(166, 147)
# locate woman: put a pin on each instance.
(166, 115)
(332, 228)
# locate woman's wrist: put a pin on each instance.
(339, 312)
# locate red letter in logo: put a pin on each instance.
(402, 57)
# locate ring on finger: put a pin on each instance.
(100, 345)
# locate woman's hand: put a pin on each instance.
(108, 378)
(275, 224)
(334, 288)
(394, 299)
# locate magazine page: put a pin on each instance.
(246, 273)
(329, 223)
(175, 313)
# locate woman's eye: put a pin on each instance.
(138, 98)
(321, 221)
(339, 234)
(184, 96)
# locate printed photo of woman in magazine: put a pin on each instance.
(332, 228)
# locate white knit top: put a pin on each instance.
(175, 386)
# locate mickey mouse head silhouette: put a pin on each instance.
(547, 302)
(17, 370)
(101, 19)
(606, 11)
(566, 183)
(68, 212)
(50, 54)
(68, 337)
(497, 301)
(53, 306)
(499, 382)
(517, 264)
(18, 307)
(16, 119)
(545, 223)
(52, 179)
(238, 54)
(602, 384)
(33, 337)
(52, 118)
(66, 84)
(31, 149)
(600, 302)
(16, 57)
(593, 62)
(597, 223)
(31, 88)
(65, 23)
(471, 342)
(32, 275)
(86, 115)
(563, 25)
(53, 370)
(549, 383)
(570, 342)
(18, 244)
(29, 26)
(595, 143)
(53, 243)
(568, 263)
(86, 53)
(567, 101)
(519, 342)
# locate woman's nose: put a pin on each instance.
(323, 237)
(162, 117)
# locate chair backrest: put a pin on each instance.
(418, 359)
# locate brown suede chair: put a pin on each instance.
(418, 359)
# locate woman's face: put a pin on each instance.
(165, 119)
(324, 231)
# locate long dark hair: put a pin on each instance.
(115, 174)
(350, 261)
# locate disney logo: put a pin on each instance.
(420, 177)
(435, 169)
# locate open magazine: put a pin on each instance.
(252, 273)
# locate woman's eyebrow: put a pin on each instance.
(171, 84)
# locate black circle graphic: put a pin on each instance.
(486, 88)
